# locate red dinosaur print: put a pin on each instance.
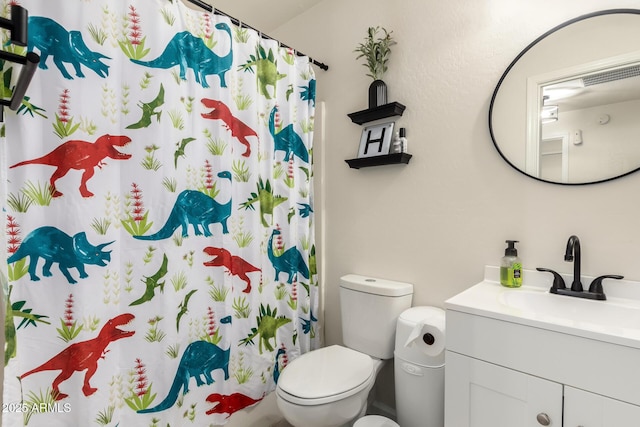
(235, 265)
(83, 356)
(238, 128)
(230, 404)
(80, 155)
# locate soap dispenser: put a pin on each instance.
(510, 266)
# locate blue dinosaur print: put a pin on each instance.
(305, 210)
(189, 51)
(276, 366)
(308, 93)
(57, 246)
(210, 166)
(200, 358)
(195, 208)
(307, 325)
(64, 46)
(287, 140)
(290, 262)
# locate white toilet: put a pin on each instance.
(329, 387)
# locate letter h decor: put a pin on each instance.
(375, 140)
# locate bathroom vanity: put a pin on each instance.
(525, 357)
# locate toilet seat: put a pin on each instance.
(325, 375)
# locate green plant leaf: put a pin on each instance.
(376, 51)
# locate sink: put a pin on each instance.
(597, 315)
(499, 338)
(616, 320)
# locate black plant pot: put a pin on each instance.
(377, 94)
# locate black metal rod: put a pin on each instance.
(17, 25)
(26, 74)
(20, 19)
(12, 57)
(236, 21)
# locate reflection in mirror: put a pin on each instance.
(553, 159)
(566, 110)
(580, 103)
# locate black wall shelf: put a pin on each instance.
(388, 159)
(380, 112)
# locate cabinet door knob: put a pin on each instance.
(543, 419)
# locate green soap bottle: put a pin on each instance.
(511, 267)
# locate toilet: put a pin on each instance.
(329, 387)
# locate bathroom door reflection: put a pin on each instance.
(554, 159)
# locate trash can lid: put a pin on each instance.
(375, 421)
(420, 313)
(420, 336)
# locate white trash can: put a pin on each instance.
(419, 367)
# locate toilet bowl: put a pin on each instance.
(327, 387)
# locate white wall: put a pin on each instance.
(607, 150)
(437, 221)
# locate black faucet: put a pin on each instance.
(573, 254)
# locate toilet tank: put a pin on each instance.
(370, 308)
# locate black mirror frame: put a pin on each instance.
(513, 63)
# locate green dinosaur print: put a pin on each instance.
(267, 200)
(16, 309)
(212, 259)
(313, 266)
(180, 150)
(266, 70)
(184, 308)
(268, 324)
(153, 282)
(149, 110)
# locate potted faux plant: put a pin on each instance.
(376, 50)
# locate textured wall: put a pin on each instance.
(437, 221)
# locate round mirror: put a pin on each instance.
(567, 109)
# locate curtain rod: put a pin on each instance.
(236, 21)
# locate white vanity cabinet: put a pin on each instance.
(482, 394)
(488, 395)
(589, 409)
(509, 366)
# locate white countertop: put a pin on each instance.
(616, 320)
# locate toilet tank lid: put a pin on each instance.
(372, 285)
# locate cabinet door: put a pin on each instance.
(584, 409)
(480, 394)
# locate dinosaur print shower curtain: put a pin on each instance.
(159, 217)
